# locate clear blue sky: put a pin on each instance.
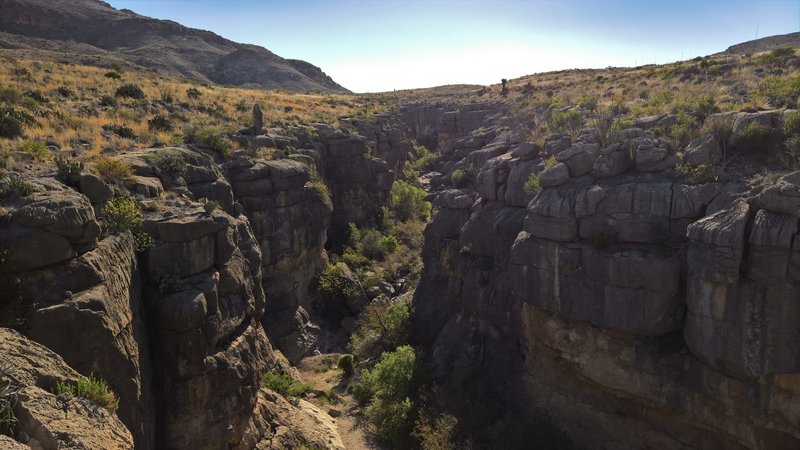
(380, 45)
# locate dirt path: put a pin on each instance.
(321, 373)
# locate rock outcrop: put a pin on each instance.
(623, 299)
(47, 421)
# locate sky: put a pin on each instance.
(382, 45)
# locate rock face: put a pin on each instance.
(290, 222)
(44, 420)
(203, 287)
(626, 301)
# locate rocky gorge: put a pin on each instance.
(638, 305)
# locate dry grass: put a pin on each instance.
(77, 121)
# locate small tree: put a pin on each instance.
(408, 201)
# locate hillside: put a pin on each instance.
(93, 32)
(765, 44)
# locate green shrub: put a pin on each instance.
(346, 364)
(437, 435)
(167, 161)
(392, 384)
(381, 328)
(284, 384)
(682, 132)
(755, 137)
(567, 121)
(113, 170)
(69, 172)
(408, 201)
(37, 150)
(159, 123)
(318, 184)
(696, 174)
(721, 128)
(93, 389)
(122, 214)
(389, 244)
(781, 91)
(370, 244)
(424, 158)
(130, 91)
(550, 161)
(791, 123)
(775, 58)
(460, 178)
(16, 184)
(210, 137)
(532, 184)
(122, 131)
(142, 241)
(209, 206)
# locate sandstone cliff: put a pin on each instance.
(623, 299)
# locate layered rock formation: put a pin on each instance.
(639, 309)
(47, 421)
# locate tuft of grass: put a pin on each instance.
(112, 170)
(8, 398)
(130, 91)
(284, 384)
(93, 389)
(211, 137)
(37, 150)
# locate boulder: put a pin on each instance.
(554, 176)
(44, 420)
(782, 196)
(579, 158)
(703, 150)
(611, 162)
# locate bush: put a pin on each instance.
(532, 184)
(757, 137)
(65, 92)
(159, 123)
(781, 91)
(389, 244)
(791, 123)
(130, 91)
(391, 383)
(284, 384)
(721, 128)
(122, 131)
(381, 328)
(460, 178)
(114, 75)
(696, 174)
(113, 170)
(69, 172)
(142, 241)
(16, 184)
(10, 127)
(775, 58)
(167, 161)
(209, 206)
(92, 389)
(193, 93)
(122, 214)
(408, 201)
(346, 364)
(682, 133)
(107, 100)
(438, 435)
(37, 150)
(210, 137)
(567, 121)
